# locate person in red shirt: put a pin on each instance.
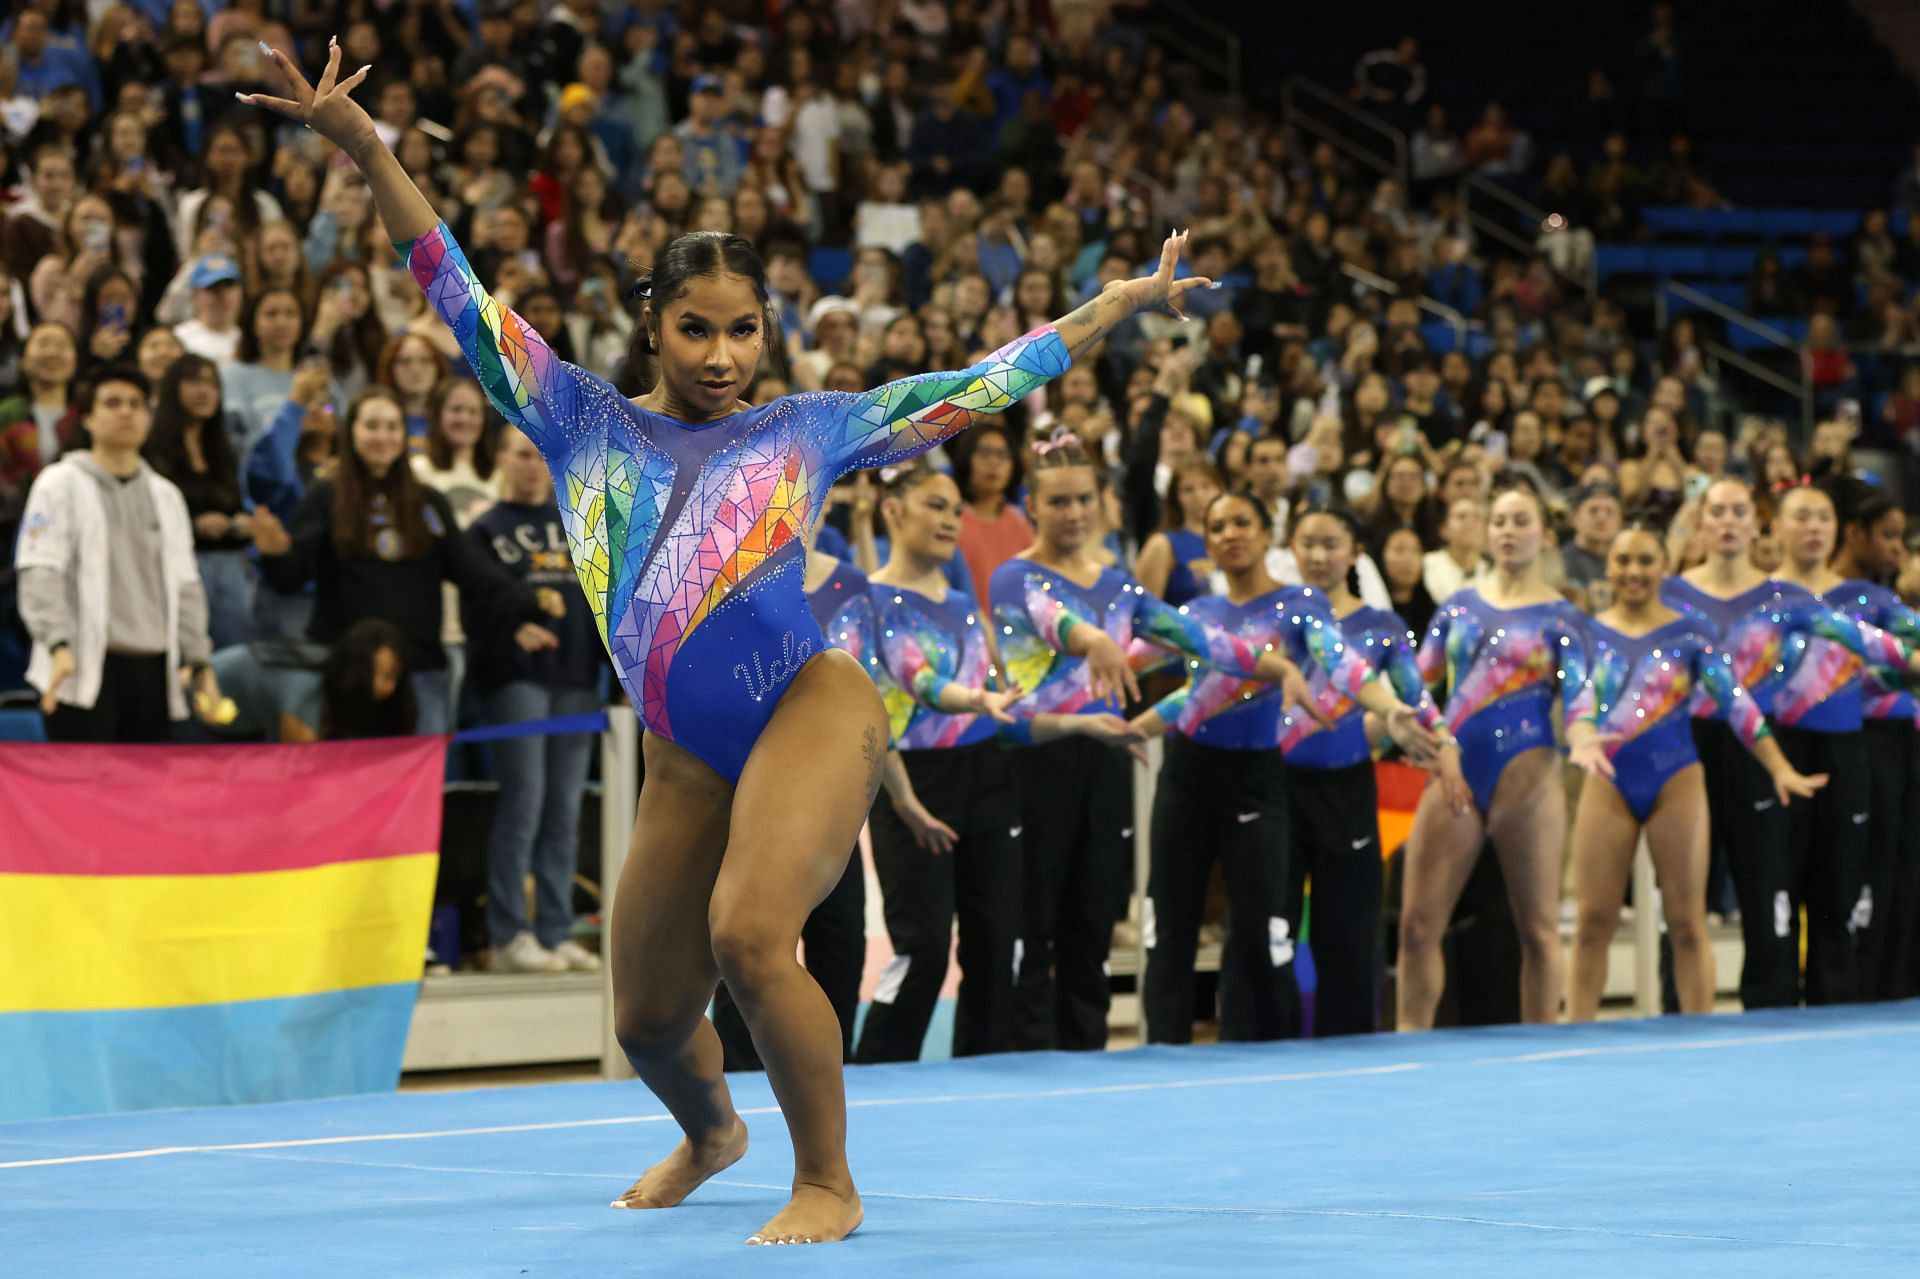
(993, 529)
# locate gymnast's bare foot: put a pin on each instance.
(815, 1214)
(678, 1175)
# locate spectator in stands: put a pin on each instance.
(1402, 564)
(413, 369)
(1462, 556)
(108, 587)
(1906, 190)
(1596, 518)
(192, 446)
(1822, 282)
(346, 332)
(1657, 60)
(257, 381)
(993, 529)
(214, 330)
(1390, 77)
(1829, 367)
(1493, 144)
(41, 420)
(1436, 152)
(951, 147)
(377, 543)
(366, 689)
(1770, 291)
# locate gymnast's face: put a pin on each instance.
(1237, 538)
(1636, 561)
(1805, 527)
(1514, 530)
(709, 339)
(925, 518)
(1727, 520)
(1064, 504)
(1323, 547)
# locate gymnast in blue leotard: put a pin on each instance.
(1173, 562)
(1504, 648)
(683, 509)
(1650, 666)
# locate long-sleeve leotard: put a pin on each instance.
(926, 645)
(686, 537)
(1384, 643)
(1871, 604)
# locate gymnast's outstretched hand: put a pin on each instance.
(327, 108)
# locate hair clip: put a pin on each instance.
(1061, 437)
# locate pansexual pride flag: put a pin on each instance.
(188, 925)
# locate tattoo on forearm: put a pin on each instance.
(1086, 325)
(875, 751)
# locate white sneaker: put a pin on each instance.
(577, 958)
(525, 955)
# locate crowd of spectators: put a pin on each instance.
(925, 181)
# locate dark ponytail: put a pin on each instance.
(695, 254)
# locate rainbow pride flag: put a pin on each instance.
(194, 925)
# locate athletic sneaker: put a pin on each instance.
(576, 957)
(525, 955)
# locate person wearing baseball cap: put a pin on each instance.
(214, 330)
(716, 154)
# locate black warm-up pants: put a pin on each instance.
(970, 788)
(1076, 818)
(1227, 805)
(1893, 862)
(1812, 854)
(132, 705)
(835, 942)
(1334, 818)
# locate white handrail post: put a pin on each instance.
(619, 798)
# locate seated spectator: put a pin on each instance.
(42, 420)
(214, 330)
(1403, 566)
(108, 586)
(545, 669)
(366, 689)
(1493, 143)
(1770, 291)
(346, 332)
(1462, 557)
(1822, 283)
(1596, 518)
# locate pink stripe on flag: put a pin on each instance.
(216, 810)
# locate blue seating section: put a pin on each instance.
(1683, 261)
(1442, 338)
(1744, 339)
(1678, 221)
(830, 268)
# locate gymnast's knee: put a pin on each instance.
(648, 1029)
(750, 953)
(1420, 930)
(1539, 938)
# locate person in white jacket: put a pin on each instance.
(109, 588)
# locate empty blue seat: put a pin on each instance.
(1679, 260)
(1622, 259)
(1731, 263)
(830, 267)
(1732, 224)
(1841, 224)
(1671, 219)
(18, 725)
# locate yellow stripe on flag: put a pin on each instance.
(74, 942)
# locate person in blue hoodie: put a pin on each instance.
(539, 670)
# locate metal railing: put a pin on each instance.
(1486, 224)
(1381, 284)
(1214, 47)
(1392, 164)
(1719, 354)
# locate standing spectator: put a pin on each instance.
(413, 369)
(1389, 78)
(993, 528)
(377, 543)
(227, 169)
(115, 611)
(33, 225)
(1436, 152)
(1462, 557)
(191, 446)
(544, 669)
(950, 146)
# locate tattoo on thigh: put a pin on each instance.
(875, 752)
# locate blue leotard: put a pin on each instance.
(1799, 657)
(1035, 609)
(1230, 712)
(687, 537)
(843, 609)
(1381, 640)
(1191, 566)
(1871, 604)
(1502, 667)
(924, 646)
(1641, 689)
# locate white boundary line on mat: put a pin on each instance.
(1206, 1210)
(1730, 1041)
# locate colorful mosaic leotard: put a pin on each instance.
(1642, 688)
(925, 645)
(687, 537)
(1799, 657)
(1036, 609)
(1872, 604)
(844, 611)
(1381, 640)
(1502, 666)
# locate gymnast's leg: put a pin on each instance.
(663, 968)
(797, 810)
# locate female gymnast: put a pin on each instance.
(1504, 646)
(1800, 660)
(1648, 660)
(1333, 803)
(946, 827)
(1173, 562)
(683, 511)
(1223, 791)
(1872, 546)
(1063, 622)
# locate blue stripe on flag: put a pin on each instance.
(346, 1041)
